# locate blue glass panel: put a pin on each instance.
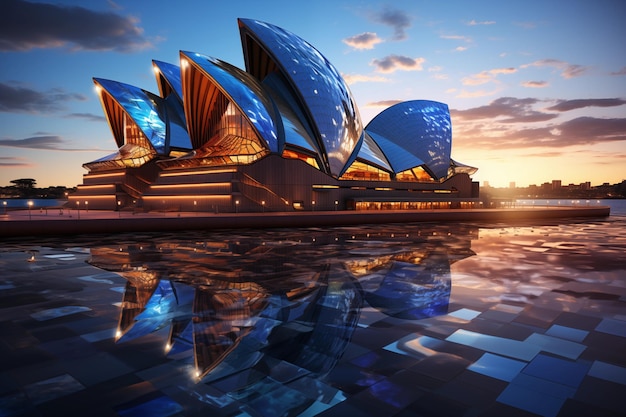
(411, 291)
(497, 367)
(141, 106)
(371, 153)
(530, 400)
(420, 127)
(324, 93)
(557, 370)
(244, 91)
(495, 344)
(568, 333)
(295, 128)
(171, 73)
(157, 407)
(612, 326)
(555, 345)
(608, 372)
(177, 126)
(465, 314)
(399, 158)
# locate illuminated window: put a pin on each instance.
(417, 174)
(290, 154)
(364, 172)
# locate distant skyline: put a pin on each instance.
(536, 89)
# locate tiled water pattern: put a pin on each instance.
(400, 320)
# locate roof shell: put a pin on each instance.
(421, 128)
(244, 91)
(142, 107)
(171, 76)
(324, 94)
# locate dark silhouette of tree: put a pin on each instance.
(24, 183)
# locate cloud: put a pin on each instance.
(86, 116)
(484, 77)
(25, 25)
(359, 78)
(526, 25)
(567, 70)
(392, 63)
(366, 40)
(620, 72)
(580, 131)
(456, 37)
(507, 110)
(504, 124)
(35, 142)
(13, 162)
(566, 105)
(485, 22)
(535, 84)
(474, 94)
(383, 103)
(24, 100)
(396, 19)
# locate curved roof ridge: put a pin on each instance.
(317, 82)
(241, 88)
(421, 127)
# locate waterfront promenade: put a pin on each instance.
(54, 221)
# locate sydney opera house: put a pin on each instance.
(283, 135)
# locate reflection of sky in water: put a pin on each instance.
(304, 319)
(278, 305)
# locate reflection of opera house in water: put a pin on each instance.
(283, 135)
(265, 310)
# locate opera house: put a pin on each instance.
(283, 135)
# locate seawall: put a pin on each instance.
(37, 223)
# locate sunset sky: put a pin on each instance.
(536, 88)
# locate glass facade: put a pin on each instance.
(324, 93)
(289, 102)
(421, 128)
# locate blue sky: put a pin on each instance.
(536, 89)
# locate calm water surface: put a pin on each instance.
(308, 321)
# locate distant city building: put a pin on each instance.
(283, 135)
(556, 184)
(512, 184)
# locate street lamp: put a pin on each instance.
(336, 203)
(313, 204)
(4, 203)
(263, 205)
(78, 209)
(195, 203)
(119, 209)
(236, 206)
(30, 205)
(87, 206)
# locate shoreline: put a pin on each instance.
(70, 222)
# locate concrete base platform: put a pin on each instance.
(69, 222)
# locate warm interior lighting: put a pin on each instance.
(324, 186)
(91, 197)
(89, 187)
(187, 197)
(213, 171)
(114, 174)
(183, 186)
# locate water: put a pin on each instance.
(425, 319)
(618, 206)
(14, 203)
